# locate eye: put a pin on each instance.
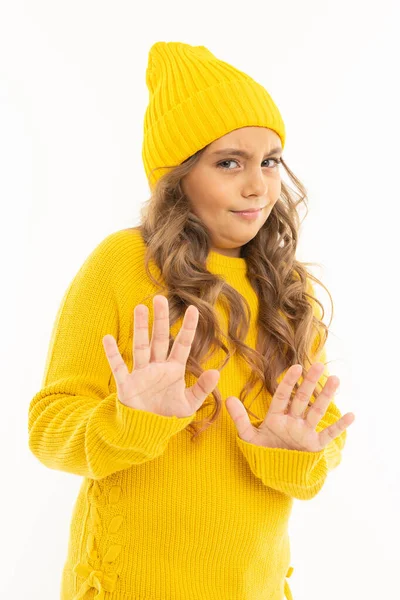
(228, 160)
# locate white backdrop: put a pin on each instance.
(72, 102)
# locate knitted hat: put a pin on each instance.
(194, 99)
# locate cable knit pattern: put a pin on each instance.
(159, 517)
(104, 579)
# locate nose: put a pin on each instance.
(257, 184)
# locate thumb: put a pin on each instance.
(238, 414)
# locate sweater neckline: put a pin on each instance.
(221, 261)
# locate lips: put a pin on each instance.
(249, 209)
(247, 212)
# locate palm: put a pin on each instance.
(286, 431)
(160, 388)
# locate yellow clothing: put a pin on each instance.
(159, 517)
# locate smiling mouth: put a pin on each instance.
(249, 211)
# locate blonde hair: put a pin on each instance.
(179, 243)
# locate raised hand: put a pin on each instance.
(285, 427)
(157, 382)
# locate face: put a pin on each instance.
(224, 182)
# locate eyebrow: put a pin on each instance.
(236, 152)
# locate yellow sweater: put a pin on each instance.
(159, 517)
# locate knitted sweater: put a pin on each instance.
(159, 517)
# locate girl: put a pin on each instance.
(186, 497)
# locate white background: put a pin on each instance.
(72, 102)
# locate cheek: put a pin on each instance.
(274, 193)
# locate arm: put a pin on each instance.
(297, 473)
(293, 472)
(76, 424)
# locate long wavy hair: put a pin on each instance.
(287, 327)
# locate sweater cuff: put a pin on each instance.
(143, 429)
(296, 473)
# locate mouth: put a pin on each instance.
(247, 215)
(249, 211)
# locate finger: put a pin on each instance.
(141, 348)
(198, 392)
(306, 389)
(183, 342)
(332, 432)
(240, 417)
(318, 409)
(282, 394)
(115, 360)
(160, 335)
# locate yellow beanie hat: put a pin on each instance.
(194, 99)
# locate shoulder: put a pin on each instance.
(120, 259)
(118, 246)
(123, 240)
(117, 254)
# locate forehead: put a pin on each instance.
(247, 138)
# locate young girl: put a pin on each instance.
(186, 492)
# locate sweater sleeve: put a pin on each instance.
(75, 423)
(293, 472)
